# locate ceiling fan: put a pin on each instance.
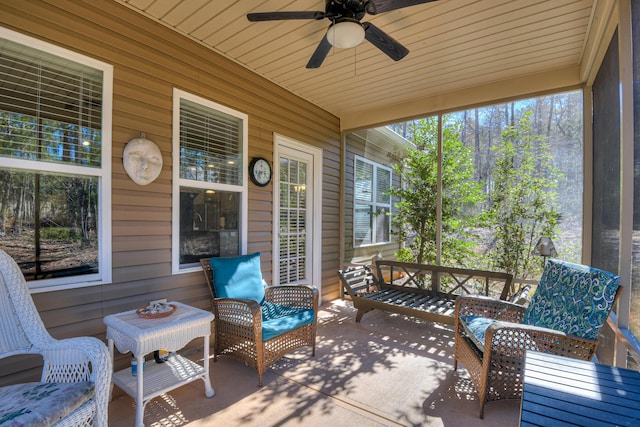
(346, 30)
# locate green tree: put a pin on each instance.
(415, 218)
(523, 199)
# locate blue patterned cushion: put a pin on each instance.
(476, 328)
(41, 404)
(572, 298)
(238, 277)
(278, 319)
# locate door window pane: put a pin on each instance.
(293, 221)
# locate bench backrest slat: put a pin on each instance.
(432, 278)
(357, 279)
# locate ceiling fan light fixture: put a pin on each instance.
(345, 34)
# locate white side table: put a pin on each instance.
(129, 332)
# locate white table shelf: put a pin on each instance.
(159, 378)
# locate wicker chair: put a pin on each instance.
(76, 375)
(258, 325)
(564, 317)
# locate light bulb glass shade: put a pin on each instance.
(345, 34)
(545, 248)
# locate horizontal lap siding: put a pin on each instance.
(149, 61)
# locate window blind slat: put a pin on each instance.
(51, 110)
(210, 144)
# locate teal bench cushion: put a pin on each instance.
(238, 277)
(572, 298)
(41, 404)
(278, 319)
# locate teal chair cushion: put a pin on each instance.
(476, 328)
(278, 319)
(572, 298)
(238, 277)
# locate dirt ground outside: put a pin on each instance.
(57, 257)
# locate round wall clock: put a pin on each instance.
(260, 171)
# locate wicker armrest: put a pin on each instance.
(478, 305)
(244, 311)
(515, 339)
(80, 359)
(60, 355)
(293, 295)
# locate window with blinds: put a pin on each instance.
(50, 108)
(209, 147)
(372, 204)
(55, 193)
(210, 144)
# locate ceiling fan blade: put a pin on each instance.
(324, 47)
(277, 16)
(384, 42)
(380, 6)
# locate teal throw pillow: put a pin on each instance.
(238, 277)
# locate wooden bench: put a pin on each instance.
(420, 290)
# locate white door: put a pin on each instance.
(297, 222)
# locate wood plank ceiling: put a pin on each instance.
(455, 46)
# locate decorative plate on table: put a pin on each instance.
(156, 311)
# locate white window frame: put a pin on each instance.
(374, 203)
(103, 173)
(178, 182)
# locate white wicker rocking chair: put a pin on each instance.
(76, 375)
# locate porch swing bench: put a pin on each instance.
(422, 291)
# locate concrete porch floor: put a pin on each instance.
(388, 370)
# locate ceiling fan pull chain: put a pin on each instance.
(355, 61)
(333, 36)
